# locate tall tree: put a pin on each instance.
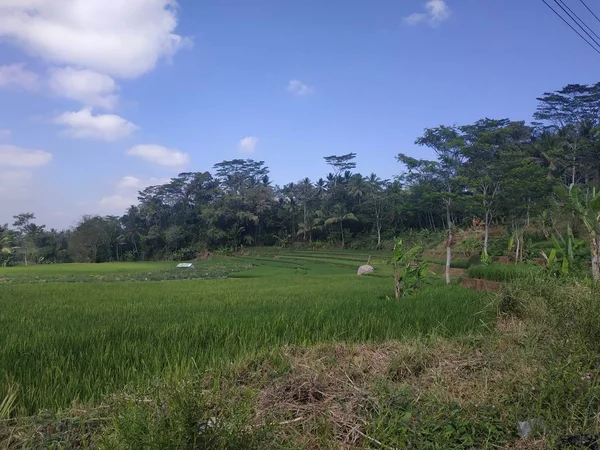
(340, 216)
(340, 164)
(447, 143)
(484, 145)
(23, 224)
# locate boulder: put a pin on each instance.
(365, 270)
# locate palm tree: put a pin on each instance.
(358, 187)
(339, 217)
(331, 181)
(321, 187)
(305, 195)
(311, 225)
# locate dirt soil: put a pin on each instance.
(481, 285)
(441, 270)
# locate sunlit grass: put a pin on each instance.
(83, 341)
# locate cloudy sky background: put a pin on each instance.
(101, 98)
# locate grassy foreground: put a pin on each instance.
(294, 352)
(65, 342)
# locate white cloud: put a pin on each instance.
(117, 202)
(105, 127)
(16, 75)
(248, 144)
(437, 11)
(160, 155)
(415, 18)
(14, 186)
(297, 87)
(17, 182)
(4, 134)
(115, 37)
(126, 193)
(13, 156)
(129, 182)
(85, 86)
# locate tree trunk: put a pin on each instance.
(448, 244)
(595, 253)
(305, 224)
(342, 231)
(517, 246)
(487, 233)
(396, 282)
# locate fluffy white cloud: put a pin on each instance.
(17, 182)
(105, 127)
(14, 186)
(85, 86)
(4, 134)
(437, 11)
(297, 87)
(117, 203)
(13, 156)
(125, 193)
(248, 144)
(160, 155)
(115, 37)
(129, 182)
(16, 75)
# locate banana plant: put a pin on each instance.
(561, 258)
(409, 273)
(586, 206)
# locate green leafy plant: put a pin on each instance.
(586, 206)
(486, 259)
(561, 259)
(409, 273)
(470, 246)
(7, 404)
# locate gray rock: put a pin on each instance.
(365, 270)
(529, 427)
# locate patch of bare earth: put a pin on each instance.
(441, 270)
(481, 285)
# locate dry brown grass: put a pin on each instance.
(331, 387)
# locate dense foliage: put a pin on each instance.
(492, 171)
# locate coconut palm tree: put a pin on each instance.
(358, 187)
(311, 225)
(340, 216)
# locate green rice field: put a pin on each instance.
(81, 332)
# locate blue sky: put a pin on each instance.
(102, 97)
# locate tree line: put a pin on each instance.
(494, 171)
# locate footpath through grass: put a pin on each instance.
(64, 342)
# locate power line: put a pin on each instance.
(562, 6)
(588, 8)
(571, 27)
(581, 20)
